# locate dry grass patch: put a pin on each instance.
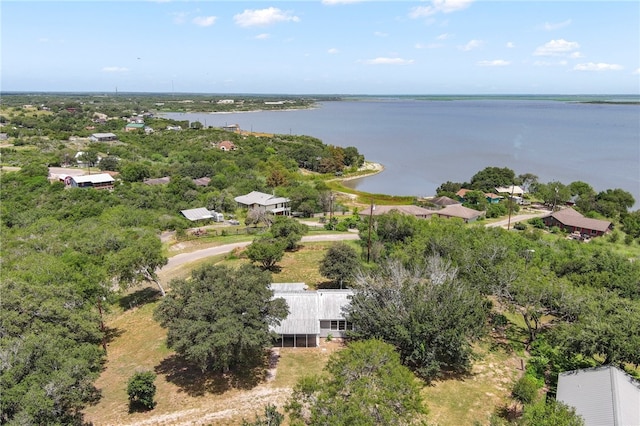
(473, 398)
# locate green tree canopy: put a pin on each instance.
(142, 389)
(220, 318)
(340, 263)
(365, 384)
(267, 251)
(289, 230)
(429, 315)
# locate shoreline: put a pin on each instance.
(374, 169)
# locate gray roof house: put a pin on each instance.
(197, 214)
(417, 211)
(265, 202)
(603, 396)
(461, 212)
(312, 314)
(103, 137)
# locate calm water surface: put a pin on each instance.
(425, 143)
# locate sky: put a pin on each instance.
(343, 47)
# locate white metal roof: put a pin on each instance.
(604, 396)
(260, 198)
(99, 178)
(307, 308)
(197, 214)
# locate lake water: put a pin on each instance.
(425, 143)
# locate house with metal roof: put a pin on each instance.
(312, 315)
(410, 210)
(197, 214)
(98, 181)
(603, 396)
(572, 221)
(265, 202)
(103, 137)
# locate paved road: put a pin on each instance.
(183, 258)
(516, 219)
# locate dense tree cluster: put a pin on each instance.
(220, 318)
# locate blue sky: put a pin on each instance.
(322, 47)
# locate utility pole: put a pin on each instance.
(510, 206)
(369, 238)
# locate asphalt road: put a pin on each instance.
(184, 258)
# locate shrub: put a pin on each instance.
(526, 389)
(142, 390)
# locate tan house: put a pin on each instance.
(574, 222)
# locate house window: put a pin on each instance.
(341, 325)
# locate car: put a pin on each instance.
(234, 222)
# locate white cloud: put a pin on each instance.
(473, 44)
(444, 36)
(437, 6)
(204, 21)
(560, 47)
(380, 34)
(428, 46)
(115, 69)
(258, 17)
(332, 51)
(494, 63)
(552, 26)
(388, 61)
(510, 45)
(637, 71)
(262, 36)
(592, 66)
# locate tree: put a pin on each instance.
(220, 318)
(550, 413)
(134, 172)
(267, 251)
(110, 163)
(340, 263)
(489, 178)
(289, 230)
(365, 384)
(142, 390)
(426, 313)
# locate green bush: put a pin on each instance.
(526, 389)
(142, 390)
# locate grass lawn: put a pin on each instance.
(474, 398)
(188, 396)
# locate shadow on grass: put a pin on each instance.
(192, 380)
(110, 334)
(138, 407)
(139, 297)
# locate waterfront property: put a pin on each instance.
(313, 315)
(571, 221)
(265, 202)
(461, 212)
(419, 212)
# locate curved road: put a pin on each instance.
(183, 258)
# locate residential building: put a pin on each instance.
(265, 202)
(103, 137)
(417, 211)
(572, 221)
(461, 212)
(313, 315)
(602, 396)
(97, 181)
